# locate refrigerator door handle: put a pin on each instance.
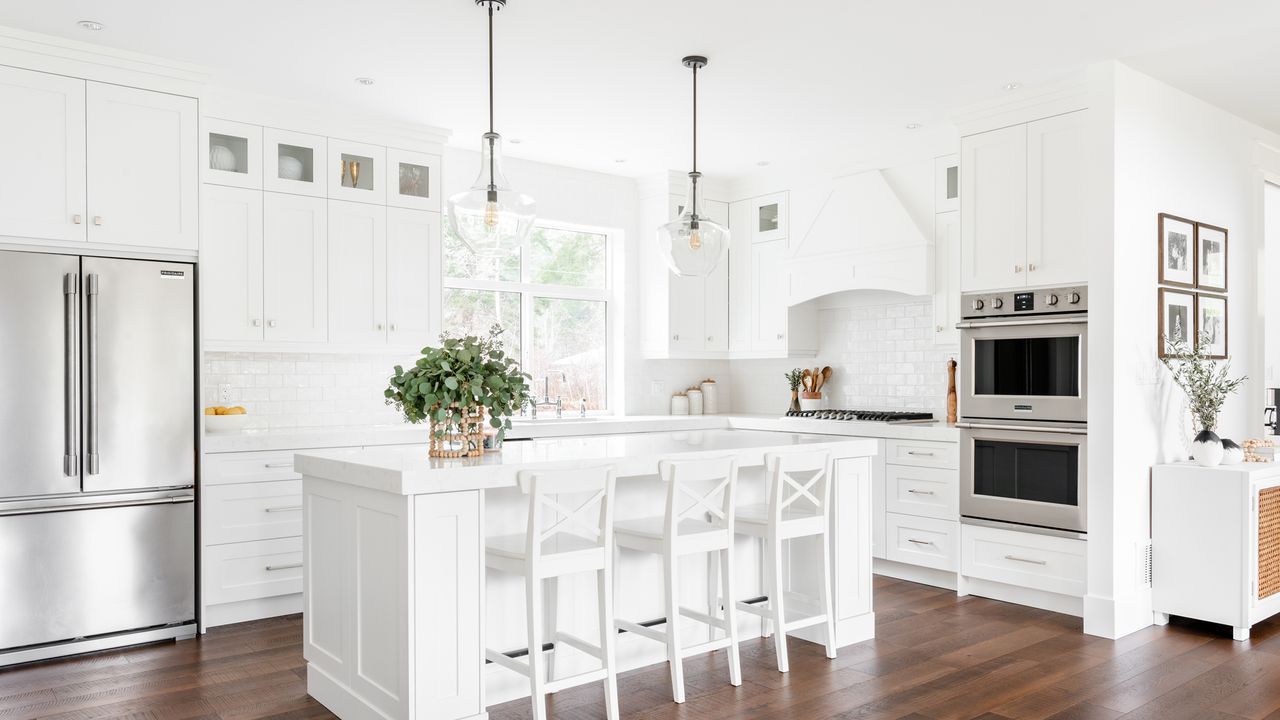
(70, 293)
(43, 510)
(91, 298)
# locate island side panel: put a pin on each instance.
(356, 599)
(448, 605)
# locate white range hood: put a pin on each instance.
(863, 238)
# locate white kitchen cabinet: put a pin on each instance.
(762, 324)
(413, 277)
(231, 153)
(357, 171)
(1021, 193)
(917, 512)
(42, 141)
(357, 273)
(413, 180)
(295, 162)
(946, 277)
(1057, 183)
(993, 200)
(769, 300)
(295, 268)
(715, 290)
(946, 183)
(143, 172)
(769, 216)
(231, 264)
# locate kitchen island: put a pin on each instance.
(397, 609)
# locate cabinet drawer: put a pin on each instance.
(224, 468)
(922, 541)
(1026, 560)
(923, 491)
(922, 453)
(252, 570)
(252, 511)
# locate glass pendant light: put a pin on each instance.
(692, 245)
(491, 218)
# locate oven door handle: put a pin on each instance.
(1025, 428)
(978, 324)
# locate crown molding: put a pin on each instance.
(74, 58)
(1065, 95)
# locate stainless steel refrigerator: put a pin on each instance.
(97, 453)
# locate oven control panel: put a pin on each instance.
(1069, 300)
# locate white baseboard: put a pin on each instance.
(915, 573)
(1053, 602)
(246, 610)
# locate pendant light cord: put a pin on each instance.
(695, 118)
(492, 183)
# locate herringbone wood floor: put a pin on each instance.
(935, 656)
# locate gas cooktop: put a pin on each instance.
(885, 416)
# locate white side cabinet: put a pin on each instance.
(231, 264)
(413, 277)
(946, 277)
(1021, 195)
(917, 489)
(143, 175)
(42, 191)
(1232, 574)
(295, 264)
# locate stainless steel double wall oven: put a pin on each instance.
(1023, 408)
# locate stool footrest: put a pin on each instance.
(498, 658)
(706, 647)
(578, 643)
(805, 622)
(759, 610)
(641, 630)
(575, 680)
(702, 617)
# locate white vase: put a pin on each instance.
(289, 167)
(1232, 453)
(710, 404)
(695, 401)
(221, 158)
(679, 404)
(1206, 449)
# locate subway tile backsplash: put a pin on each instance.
(286, 390)
(883, 356)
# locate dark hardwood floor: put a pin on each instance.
(935, 656)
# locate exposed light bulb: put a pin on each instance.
(491, 214)
(695, 240)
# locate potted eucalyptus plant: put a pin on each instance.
(458, 387)
(1207, 384)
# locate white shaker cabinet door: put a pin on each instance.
(295, 268)
(42, 194)
(231, 264)
(769, 300)
(357, 273)
(946, 278)
(413, 277)
(143, 173)
(1057, 183)
(686, 312)
(715, 291)
(993, 214)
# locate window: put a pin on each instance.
(552, 299)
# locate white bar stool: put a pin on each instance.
(799, 506)
(694, 522)
(562, 541)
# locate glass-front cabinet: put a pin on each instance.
(769, 218)
(356, 172)
(295, 163)
(413, 180)
(233, 153)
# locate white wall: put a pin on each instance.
(605, 201)
(1157, 149)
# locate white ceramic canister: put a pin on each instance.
(695, 402)
(679, 405)
(710, 406)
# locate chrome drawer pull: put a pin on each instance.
(288, 566)
(286, 508)
(920, 452)
(1015, 558)
(919, 542)
(920, 492)
(275, 465)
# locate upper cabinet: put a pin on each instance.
(295, 163)
(42, 195)
(946, 277)
(143, 177)
(232, 153)
(768, 218)
(413, 180)
(98, 163)
(357, 172)
(946, 183)
(1021, 205)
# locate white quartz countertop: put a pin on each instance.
(406, 470)
(403, 434)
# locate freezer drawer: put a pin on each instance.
(81, 572)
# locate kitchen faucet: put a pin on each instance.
(534, 404)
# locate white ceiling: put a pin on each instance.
(586, 82)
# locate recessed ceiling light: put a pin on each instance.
(762, 163)
(913, 126)
(364, 81)
(619, 160)
(90, 24)
(515, 141)
(1012, 86)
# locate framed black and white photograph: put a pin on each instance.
(1211, 257)
(1177, 318)
(1211, 324)
(1177, 251)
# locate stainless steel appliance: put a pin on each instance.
(883, 416)
(1024, 409)
(97, 453)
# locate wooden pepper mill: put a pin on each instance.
(951, 391)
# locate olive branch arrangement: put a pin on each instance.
(1206, 381)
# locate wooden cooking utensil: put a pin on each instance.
(806, 379)
(825, 376)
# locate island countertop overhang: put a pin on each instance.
(402, 470)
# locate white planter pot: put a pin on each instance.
(1206, 449)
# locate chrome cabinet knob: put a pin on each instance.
(780, 336)
(77, 219)
(271, 323)
(377, 326)
(393, 327)
(675, 337)
(97, 219)
(1017, 268)
(1031, 267)
(256, 322)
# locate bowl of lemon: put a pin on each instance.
(219, 419)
